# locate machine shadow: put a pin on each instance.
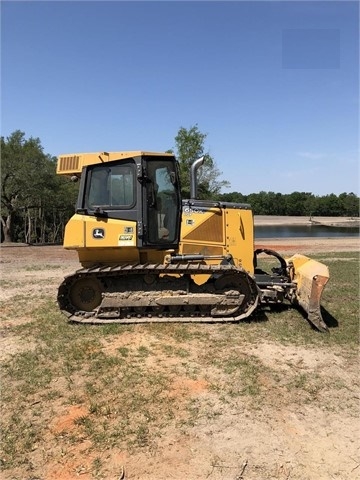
(264, 315)
(329, 319)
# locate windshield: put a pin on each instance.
(111, 186)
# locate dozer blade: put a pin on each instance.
(310, 277)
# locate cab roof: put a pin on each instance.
(73, 163)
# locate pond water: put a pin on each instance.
(279, 231)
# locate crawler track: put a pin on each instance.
(158, 293)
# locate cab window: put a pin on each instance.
(111, 186)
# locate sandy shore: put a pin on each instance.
(305, 220)
(309, 245)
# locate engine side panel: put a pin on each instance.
(219, 231)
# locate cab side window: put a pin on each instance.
(111, 186)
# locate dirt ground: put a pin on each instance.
(279, 441)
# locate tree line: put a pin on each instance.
(36, 203)
(298, 203)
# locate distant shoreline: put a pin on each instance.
(273, 220)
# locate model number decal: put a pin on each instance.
(189, 211)
(126, 238)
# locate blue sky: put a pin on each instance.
(274, 85)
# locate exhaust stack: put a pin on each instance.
(193, 179)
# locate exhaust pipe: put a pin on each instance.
(193, 179)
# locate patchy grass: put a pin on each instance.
(40, 267)
(174, 376)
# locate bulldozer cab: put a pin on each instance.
(139, 191)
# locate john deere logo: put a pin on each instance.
(98, 233)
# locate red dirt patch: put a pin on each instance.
(182, 386)
(66, 423)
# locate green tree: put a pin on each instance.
(31, 194)
(189, 146)
(273, 203)
(23, 163)
(350, 204)
(234, 197)
(296, 203)
(259, 203)
(330, 205)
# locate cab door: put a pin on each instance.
(162, 204)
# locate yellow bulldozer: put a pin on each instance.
(147, 255)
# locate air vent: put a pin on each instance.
(211, 230)
(69, 164)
